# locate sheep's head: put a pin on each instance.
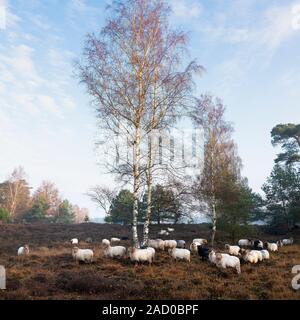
(219, 256)
(105, 243)
(75, 250)
(26, 247)
(227, 246)
(212, 255)
(205, 241)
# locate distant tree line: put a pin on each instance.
(45, 204)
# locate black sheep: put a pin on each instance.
(258, 245)
(203, 252)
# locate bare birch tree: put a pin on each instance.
(132, 71)
(220, 156)
(15, 193)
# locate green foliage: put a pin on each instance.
(282, 191)
(4, 215)
(288, 136)
(121, 208)
(66, 214)
(165, 206)
(237, 205)
(38, 211)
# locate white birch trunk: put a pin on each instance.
(149, 195)
(136, 187)
(214, 224)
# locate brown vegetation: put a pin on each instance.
(50, 273)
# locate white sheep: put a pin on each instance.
(113, 252)
(170, 229)
(265, 254)
(245, 243)
(105, 242)
(74, 241)
(23, 251)
(286, 242)
(163, 232)
(180, 254)
(271, 246)
(157, 244)
(170, 244)
(224, 260)
(152, 250)
(84, 255)
(200, 241)
(140, 255)
(233, 250)
(249, 256)
(193, 246)
(115, 240)
(259, 254)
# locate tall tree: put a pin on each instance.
(15, 194)
(288, 136)
(66, 213)
(164, 203)
(220, 155)
(80, 214)
(239, 206)
(282, 191)
(132, 71)
(121, 208)
(38, 211)
(49, 192)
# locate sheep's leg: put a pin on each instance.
(238, 269)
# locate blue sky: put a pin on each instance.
(250, 49)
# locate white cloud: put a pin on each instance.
(278, 28)
(68, 103)
(186, 8)
(40, 22)
(88, 14)
(257, 36)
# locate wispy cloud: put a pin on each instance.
(256, 36)
(186, 9)
(278, 27)
(87, 13)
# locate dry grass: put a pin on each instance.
(50, 273)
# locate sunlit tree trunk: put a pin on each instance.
(149, 194)
(214, 223)
(136, 187)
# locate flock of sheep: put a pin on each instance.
(247, 250)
